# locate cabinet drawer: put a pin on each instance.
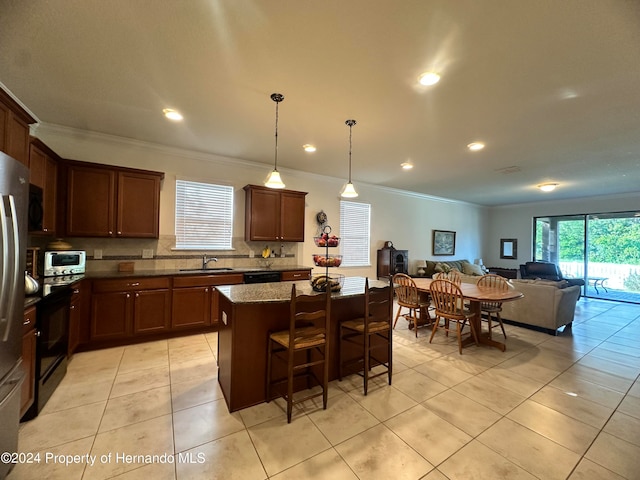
(122, 285)
(208, 280)
(29, 319)
(295, 275)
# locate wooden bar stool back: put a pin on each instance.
(493, 308)
(408, 297)
(307, 339)
(372, 333)
(448, 300)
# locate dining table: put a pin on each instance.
(476, 295)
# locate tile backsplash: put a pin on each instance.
(165, 257)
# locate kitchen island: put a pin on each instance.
(249, 312)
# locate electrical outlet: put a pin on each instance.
(97, 254)
(252, 254)
(147, 253)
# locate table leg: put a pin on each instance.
(483, 338)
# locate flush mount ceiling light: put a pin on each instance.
(309, 148)
(548, 187)
(406, 165)
(475, 146)
(274, 180)
(172, 114)
(348, 191)
(428, 79)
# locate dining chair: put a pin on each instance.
(451, 275)
(448, 300)
(309, 317)
(408, 297)
(493, 308)
(372, 333)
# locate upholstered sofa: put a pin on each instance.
(547, 305)
(469, 272)
(546, 271)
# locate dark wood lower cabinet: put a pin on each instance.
(152, 311)
(191, 307)
(136, 306)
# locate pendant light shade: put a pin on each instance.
(349, 191)
(274, 180)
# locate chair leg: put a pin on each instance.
(390, 357)
(415, 320)
(397, 316)
(501, 324)
(474, 333)
(325, 380)
(290, 385)
(340, 355)
(269, 353)
(436, 322)
(459, 330)
(367, 364)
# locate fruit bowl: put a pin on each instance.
(326, 240)
(327, 260)
(319, 282)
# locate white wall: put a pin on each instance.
(405, 218)
(516, 221)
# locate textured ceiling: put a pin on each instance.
(552, 87)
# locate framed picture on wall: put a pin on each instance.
(444, 242)
(509, 248)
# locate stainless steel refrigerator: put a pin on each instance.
(14, 189)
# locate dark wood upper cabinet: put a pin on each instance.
(14, 128)
(274, 215)
(43, 172)
(105, 201)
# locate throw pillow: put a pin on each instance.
(442, 267)
(472, 269)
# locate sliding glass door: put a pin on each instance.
(602, 249)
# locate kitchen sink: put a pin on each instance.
(213, 269)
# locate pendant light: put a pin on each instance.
(348, 191)
(274, 180)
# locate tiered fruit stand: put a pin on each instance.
(319, 282)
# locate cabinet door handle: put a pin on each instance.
(119, 233)
(110, 232)
(128, 296)
(37, 333)
(134, 284)
(72, 307)
(137, 295)
(206, 290)
(26, 322)
(76, 291)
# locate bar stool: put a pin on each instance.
(309, 317)
(371, 332)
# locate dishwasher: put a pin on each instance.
(261, 277)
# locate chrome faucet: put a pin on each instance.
(206, 260)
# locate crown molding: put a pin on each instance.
(115, 140)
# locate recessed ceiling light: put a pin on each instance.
(548, 187)
(429, 78)
(172, 114)
(406, 165)
(475, 146)
(309, 148)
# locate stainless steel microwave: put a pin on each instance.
(67, 262)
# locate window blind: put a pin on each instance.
(204, 215)
(354, 233)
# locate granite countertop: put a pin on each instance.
(281, 292)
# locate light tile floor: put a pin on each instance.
(549, 408)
